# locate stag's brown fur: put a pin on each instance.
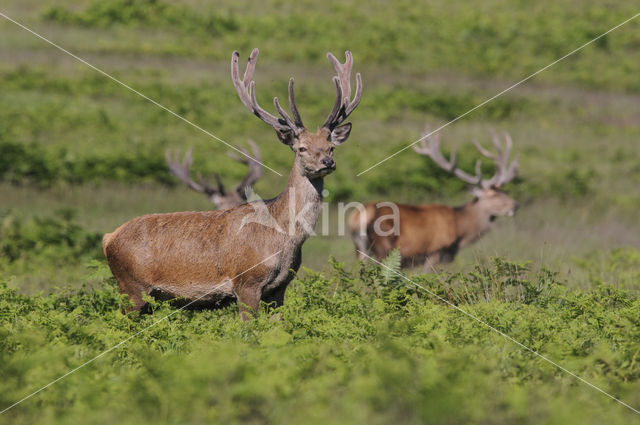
(427, 234)
(187, 254)
(248, 253)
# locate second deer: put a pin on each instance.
(433, 233)
(217, 193)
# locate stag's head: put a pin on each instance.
(488, 192)
(314, 150)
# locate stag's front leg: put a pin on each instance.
(275, 300)
(248, 301)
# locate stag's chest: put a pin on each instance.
(288, 264)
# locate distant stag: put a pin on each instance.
(250, 252)
(217, 194)
(431, 234)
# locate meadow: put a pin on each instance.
(80, 154)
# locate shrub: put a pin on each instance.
(55, 237)
(349, 349)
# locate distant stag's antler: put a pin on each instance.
(217, 194)
(430, 145)
(343, 105)
(255, 168)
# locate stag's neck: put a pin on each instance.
(299, 205)
(472, 222)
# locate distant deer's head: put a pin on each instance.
(216, 193)
(314, 150)
(490, 197)
(495, 202)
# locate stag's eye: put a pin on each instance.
(331, 150)
(302, 149)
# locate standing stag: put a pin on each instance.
(434, 233)
(217, 194)
(250, 252)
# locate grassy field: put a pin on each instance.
(80, 154)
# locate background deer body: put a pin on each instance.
(246, 252)
(435, 233)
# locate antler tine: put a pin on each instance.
(431, 148)
(344, 74)
(181, 171)
(284, 115)
(344, 105)
(484, 152)
(210, 190)
(424, 141)
(496, 158)
(242, 86)
(246, 90)
(421, 147)
(479, 170)
(294, 108)
(272, 120)
(495, 139)
(508, 144)
(295, 124)
(505, 172)
(510, 170)
(337, 105)
(358, 96)
(251, 67)
(242, 159)
(255, 171)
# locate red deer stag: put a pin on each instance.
(217, 194)
(213, 257)
(434, 233)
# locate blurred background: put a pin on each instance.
(80, 154)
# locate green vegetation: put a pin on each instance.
(488, 40)
(352, 347)
(80, 154)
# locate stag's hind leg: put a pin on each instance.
(134, 290)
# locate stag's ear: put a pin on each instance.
(339, 135)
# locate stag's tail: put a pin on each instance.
(105, 241)
(358, 223)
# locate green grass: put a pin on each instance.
(80, 155)
(352, 347)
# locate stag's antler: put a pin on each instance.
(505, 172)
(217, 194)
(246, 89)
(430, 145)
(343, 105)
(286, 127)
